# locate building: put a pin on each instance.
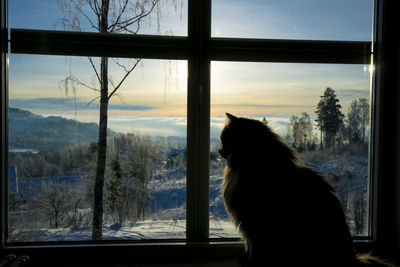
(28, 186)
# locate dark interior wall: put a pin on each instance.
(388, 132)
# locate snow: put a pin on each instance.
(166, 216)
(166, 213)
(139, 230)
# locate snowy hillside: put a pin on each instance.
(31, 131)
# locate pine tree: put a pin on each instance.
(330, 117)
(114, 187)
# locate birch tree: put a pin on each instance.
(106, 17)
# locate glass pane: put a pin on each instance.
(53, 149)
(286, 96)
(293, 19)
(166, 17)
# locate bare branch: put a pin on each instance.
(121, 98)
(75, 82)
(71, 19)
(95, 8)
(124, 78)
(111, 28)
(88, 18)
(93, 100)
(95, 70)
(116, 61)
(124, 25)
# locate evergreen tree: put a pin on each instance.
(114, 186)
(330, 117)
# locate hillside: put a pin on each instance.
(31, 131)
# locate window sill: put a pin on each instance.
(226, 252)
(178, 253)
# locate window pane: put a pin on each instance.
(286, 96)
(53, 134)
(292, 19)
(167, 17)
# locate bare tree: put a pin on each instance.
(142, 159)
(364, 109)
(353, 122)
(107, 17)
(300, 132)
(52, 199)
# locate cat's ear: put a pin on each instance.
(231, 117)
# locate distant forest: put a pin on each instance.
(335, 128)
(29, 130)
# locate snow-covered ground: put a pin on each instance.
(166, 217)
(166, 213)
(140, 230)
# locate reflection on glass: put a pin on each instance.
(53, 133)
(292, 19)
(286, 96)
(163, 17)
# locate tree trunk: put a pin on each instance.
(101, 154)
(102, 144)
(320, 146)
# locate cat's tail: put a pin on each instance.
(368, 259)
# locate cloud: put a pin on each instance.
(353, 93)
(151, 125)
(278, 123)
(67, 104)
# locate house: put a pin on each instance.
(28, 186)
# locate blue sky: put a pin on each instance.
(293, 19)
(153, 99)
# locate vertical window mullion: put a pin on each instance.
(198, 131)
(4, 118)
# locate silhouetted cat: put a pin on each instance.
(286, 213)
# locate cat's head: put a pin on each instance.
(245, 139)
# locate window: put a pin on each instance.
(53, 130)
(286, 96)
(188, 80)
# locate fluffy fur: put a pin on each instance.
(285, 212)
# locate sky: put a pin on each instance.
(153, 99)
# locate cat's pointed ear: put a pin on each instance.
(231, 117)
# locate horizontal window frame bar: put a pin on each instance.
(97, 44)
(43, 42)
(285, 51)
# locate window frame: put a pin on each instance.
(199, 49)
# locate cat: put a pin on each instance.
(285, 212)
